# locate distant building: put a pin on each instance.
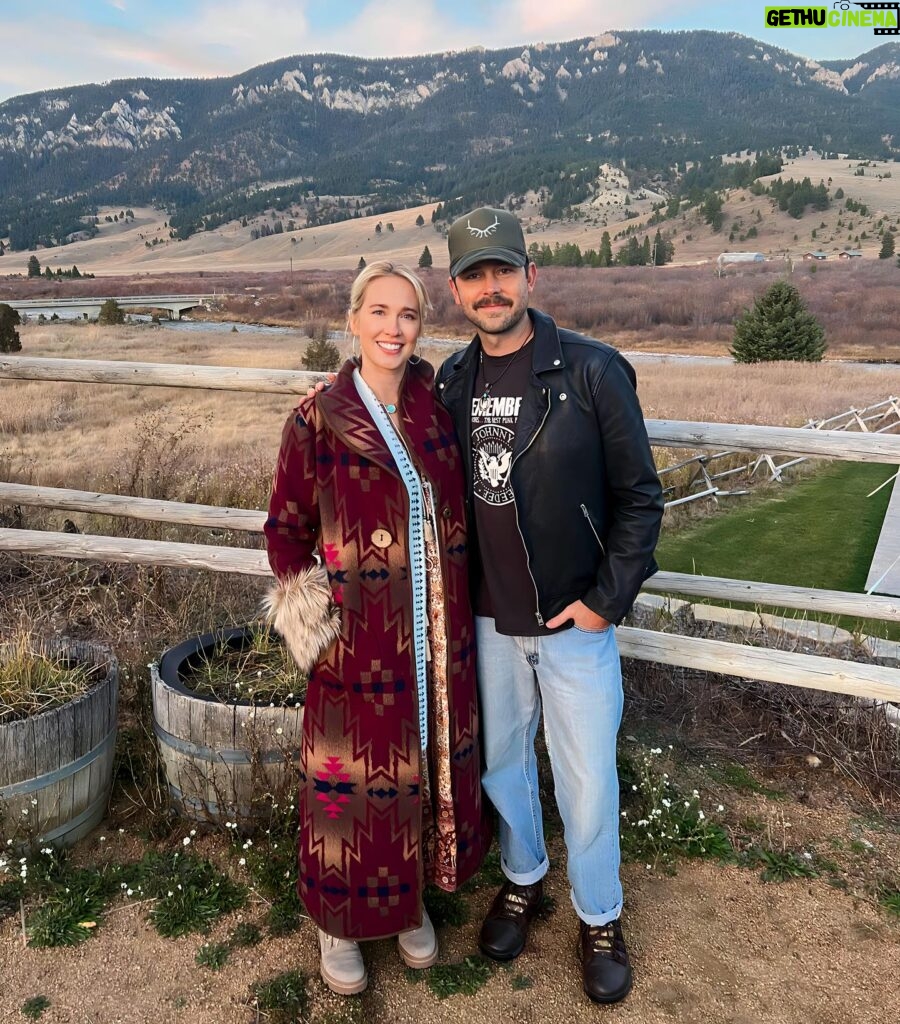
(740, 257)
(815, 254)
(849, 254)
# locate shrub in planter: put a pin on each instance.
(57, 738)
(228, 716)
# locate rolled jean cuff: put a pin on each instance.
(528, 878)
(596, 919)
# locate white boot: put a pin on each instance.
(341, 965)
(419, 947)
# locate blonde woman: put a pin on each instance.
(366, 536)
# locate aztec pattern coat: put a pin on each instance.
(337, 490)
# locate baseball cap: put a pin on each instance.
(486, 234)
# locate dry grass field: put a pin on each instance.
(219, 447)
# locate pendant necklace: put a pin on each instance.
(489, 385)
(389, 407)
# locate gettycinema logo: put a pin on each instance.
(883, 19)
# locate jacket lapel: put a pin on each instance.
(344, 413)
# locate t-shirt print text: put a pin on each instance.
(498, 410)
(492, 446)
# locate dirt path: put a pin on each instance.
(710, 945)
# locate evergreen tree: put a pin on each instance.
(9, 336)
(111, 313)
(712, 211)
(887, 246)
(321, 355)
(425, 259)
(779, 326)
(606, 256)
(362, 263)
(420, 221)
(34, 267)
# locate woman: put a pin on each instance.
(370, 477)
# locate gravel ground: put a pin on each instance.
(710, 945)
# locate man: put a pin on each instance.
(565, 507)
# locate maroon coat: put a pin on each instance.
(337, 489)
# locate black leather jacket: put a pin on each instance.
(588, 500)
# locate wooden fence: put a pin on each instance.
(880, 418)
(877, 682)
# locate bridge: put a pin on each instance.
(89, 308)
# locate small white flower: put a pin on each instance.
(807, 855)
(102, 839)
(33, 802)
(186, 841)
(279, 731)
(242, 861)
(701, 815)
(721, 807)
(129, 892)
(170, 893)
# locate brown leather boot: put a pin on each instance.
(604, 962)
(505, 929)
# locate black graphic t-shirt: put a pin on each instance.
(505, 592)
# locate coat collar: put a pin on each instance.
(344, 412)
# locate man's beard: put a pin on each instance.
(513, 317)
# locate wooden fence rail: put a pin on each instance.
(874, 682)
(834, 444)
(862, 680)
(156, 511)
(252, 562)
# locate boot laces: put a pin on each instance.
(607, 940)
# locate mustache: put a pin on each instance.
(493, 300)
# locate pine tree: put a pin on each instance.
(887, 246)
(362, 263)
(606, 256)
(9, 336)
(111, 313)
(425, 259)
(34, 267)
(779, 326)
(420, 221)
(321, 355)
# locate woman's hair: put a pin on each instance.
(384, 268)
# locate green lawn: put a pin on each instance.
(819, 532)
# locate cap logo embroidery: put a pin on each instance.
(483, 232)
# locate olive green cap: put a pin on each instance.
(486, 234)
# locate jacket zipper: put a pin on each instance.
(587, 516)
(537, 601)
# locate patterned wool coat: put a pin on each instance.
(337, 490)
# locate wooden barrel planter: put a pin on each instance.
(228, 761)
(57, 766)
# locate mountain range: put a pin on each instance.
(478, 124)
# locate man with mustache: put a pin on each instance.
(565, 507)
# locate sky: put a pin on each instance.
(51, 44)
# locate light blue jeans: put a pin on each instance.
(577, 677)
